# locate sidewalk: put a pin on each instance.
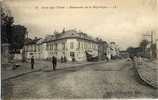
(148, 73)
(156, 61)
(8, 73)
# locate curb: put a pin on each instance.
(41, 69)
(21, 74)
(87, 64)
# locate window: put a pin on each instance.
(38, 48)
(33, 48)
(82, 46)
(31, 54)
(56, 46)
(72, 54)
(47, 46)
(91, 45)
(51, 46)
(71, 45)
(78, 45)
(86, 45)
(63, 46)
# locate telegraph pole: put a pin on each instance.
(152, 42)
(151, 50)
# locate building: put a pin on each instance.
(32, 48)
(151, 50)
(70, 44)
(112, 50)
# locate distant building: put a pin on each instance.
(124, 54)
(151, 50)
(112, 50)
(31, 48)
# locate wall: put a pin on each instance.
(5, 53)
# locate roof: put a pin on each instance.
(64, 35)
(69, 34)
(29, 41)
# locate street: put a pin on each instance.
(115, 79)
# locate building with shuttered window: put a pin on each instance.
(70, 44)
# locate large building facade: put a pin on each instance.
(70, 44)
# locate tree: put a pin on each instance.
(6, 24)
(18, 37)
(143, 45)
(10, 33)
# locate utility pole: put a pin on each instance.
(151, 50)
(152, 42)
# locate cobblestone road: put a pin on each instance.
(116, 79)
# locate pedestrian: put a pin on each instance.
(65, 60)
(106, 57)
(135, 59)
(140, 61)
(54, 62)
(62, 59)
(32, 62)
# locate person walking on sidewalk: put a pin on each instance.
(54, 62)
(106, 57)
(32, 62)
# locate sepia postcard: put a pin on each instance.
(79, 49)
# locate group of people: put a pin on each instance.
(63, 59)
(54, 62)
(136, 59)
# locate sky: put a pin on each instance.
(122, 21)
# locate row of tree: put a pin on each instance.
(11, 33)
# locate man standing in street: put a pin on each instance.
(106, 57)
(54, 62)
(32, 62)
